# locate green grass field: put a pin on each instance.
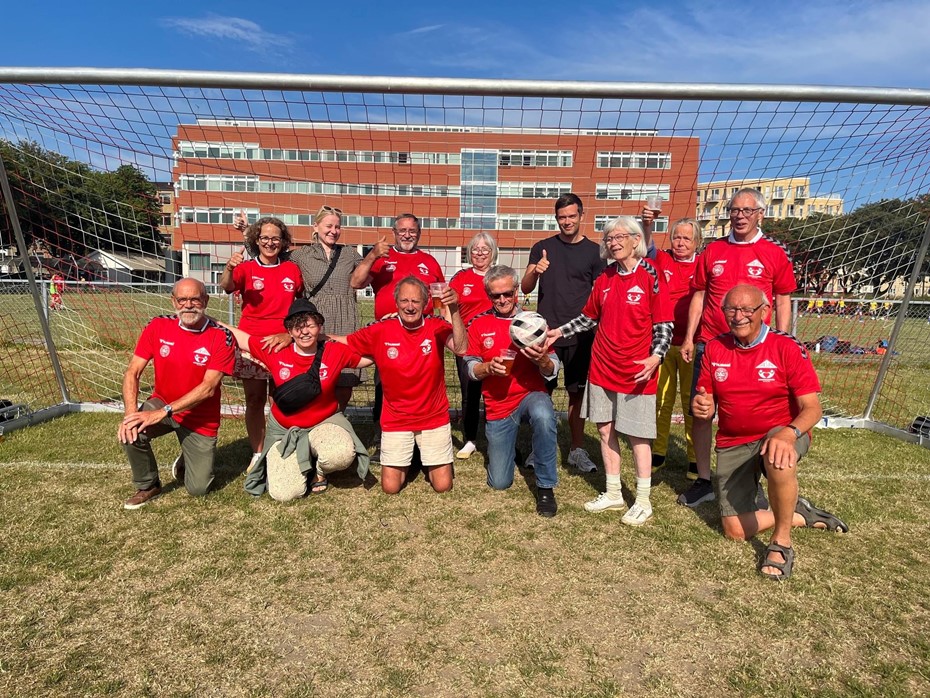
(354, 593)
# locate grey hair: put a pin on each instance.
(411, 281)
(482, 237)
(626, 224)
(695, 227)
(754, 193)
(498, 272)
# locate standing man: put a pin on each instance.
(382, 268)
(514, 393)
(766, 389)
(565, 267)
(191, 354)
(745, 256)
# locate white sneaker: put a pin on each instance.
(466, 451)
(581, 460)
(637, 515)
(603, 503)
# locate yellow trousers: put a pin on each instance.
(675, 375)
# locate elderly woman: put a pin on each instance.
(629, 306)
(408, 351)
(473, 300)
(268, 285)
(306, 433)
(326, 268)
(676, 374)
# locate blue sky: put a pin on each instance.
(832, 42)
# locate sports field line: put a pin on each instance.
(900, 477)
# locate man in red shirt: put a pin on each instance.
(191, 354)
(765, 387)
(745, 256)
(514, 394)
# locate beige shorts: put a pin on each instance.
(435, 446)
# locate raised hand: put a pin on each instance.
(381, 248)
(236, 259)
(543, 263)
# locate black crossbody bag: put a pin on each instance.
(294, 395)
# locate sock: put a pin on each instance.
(614, 487)
(643, 486)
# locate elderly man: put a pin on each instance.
(513, 391)
(565, 267)
(191, 354)
(746, 256)
(765, 387)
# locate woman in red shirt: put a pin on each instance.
(268, 284)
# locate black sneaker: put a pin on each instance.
(701, 491)
(657, 462)
(545, 502)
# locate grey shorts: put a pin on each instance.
(633, 415)
(739, 469)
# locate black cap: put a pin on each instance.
(302, 305)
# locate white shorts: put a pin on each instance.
(435, 446)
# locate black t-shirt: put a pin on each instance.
(565, 286)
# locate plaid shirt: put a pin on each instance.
(661, 333)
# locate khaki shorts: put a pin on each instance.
(435, 447)
(739, 469)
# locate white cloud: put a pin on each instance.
(423, 30)
(245, 33)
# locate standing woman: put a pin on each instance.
(473, 300)
(630, 308)
(268, 284)
(326, 268)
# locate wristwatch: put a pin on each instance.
(169, 411)
(797, 432)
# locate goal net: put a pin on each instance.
(119, 188)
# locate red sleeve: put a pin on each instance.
(592, 308)
(704, 377)
(363, 341)
(343, 356)
(437, 270)
(256, 350)
(802, 378)
(699, 280)
(223, 358)
(784, 277)
(442, 331)
(474, 340)
(299, 286)
(662, 308)
(144, 348)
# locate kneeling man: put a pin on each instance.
(191, 354)
(765, 387)
(513, 392)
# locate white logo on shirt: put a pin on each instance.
(288, 284)
(390, 266)
(467, 290)
(721, 374)
(634, 295)
(284, 373)
(392, 352)
(427, 346)
(201, 356)
(488, 342)
(755, 269)
(324, 371)
(668, 275)
(165, 350)
(423, 269)
(258, 283)
(718, 268)
(766, 371)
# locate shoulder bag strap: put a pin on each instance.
(329, 271)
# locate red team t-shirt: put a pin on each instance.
(412, 369)
(387, 271)
(489, 336)
(287, 364)
(181, 358)
(267, 294)
(473, 299)
(754, 388)
(725, 263)
(626, 306)
(678, 277)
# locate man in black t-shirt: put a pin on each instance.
(565, 266)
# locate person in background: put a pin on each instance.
(268, 284)
(473, 300)
(326, 268)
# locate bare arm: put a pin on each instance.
(779, 449)
(459, 345)
(695, 310)
(226, 280)
(361, 275)
(533, 272)
(783, 313)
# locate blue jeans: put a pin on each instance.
(536, 408)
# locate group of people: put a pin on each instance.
(630, 328)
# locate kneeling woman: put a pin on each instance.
(305, 433)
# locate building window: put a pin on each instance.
(635, 161)
(535, 158)
(199, 262)
(631, 192)
(165, 199)
(659, 225)
(166, 220)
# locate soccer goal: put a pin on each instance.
(116, 183)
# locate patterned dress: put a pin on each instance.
(336, 300)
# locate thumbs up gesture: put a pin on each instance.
(381, 248)
(543, 263)
(241, 223)
(236, 259)
(702, 405)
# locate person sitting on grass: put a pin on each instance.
(305, 434)
(766, 389)
(191, 354)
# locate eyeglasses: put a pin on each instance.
(745, 212)
(499, 296)
(196, 301)
(481, 251)
(621, 237)
(265, 240)
(730, 310)
(330, 209)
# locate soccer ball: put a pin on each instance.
(528, 328)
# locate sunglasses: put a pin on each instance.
(498, 296)
(330, 209)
